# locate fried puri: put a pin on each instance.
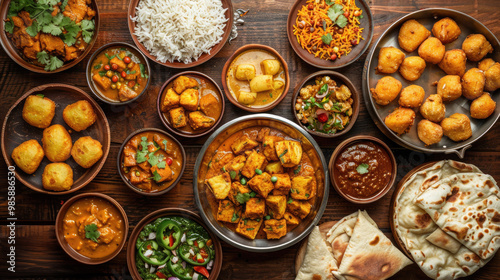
(57, 177)
(485, 64)
(411, 35)
(86, 151)
(400, 120)
(446, 30)
(28, 156)
(457, 127)
(473, 83)
(39, 111)
(389, 59)
(482, 107)
(412, 96)
(492, 76)
(433, 108)
(449, 87)
(432, 50)
(429, 132)
(386, 90)
(412, 68)
(476, 47)
(56, 143)
(453, 62)
(79, 115)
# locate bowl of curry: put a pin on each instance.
(363, 169)
(151, 161)
(92, 228)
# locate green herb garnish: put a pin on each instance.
(297, 170)
(156, 176)
(327, 38)
(290, 200)
(243, 198)
(235, 217)
(362, 168)
(91, 232)
(232, 174)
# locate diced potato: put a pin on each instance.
(299, 208)
(261, 184)
(255, 208)
(278, 84)
(283, 184)
(165, 173)
(189, 99)
(269, 150)
(248, 227)
(102, 81)
(237, 188)
(125, 93)
(246, 97)
(178, 117)
(220, 185)
(242, 144)
(228, 212)
(181, 83)
(274, 168)
(171, 100)
(198, 120)
(270, 66)
(244, 72)
(254, 161)
(261, 83)
(276, 206)
(275, 229)
(289, 152)
(303, 187)
(291, 219)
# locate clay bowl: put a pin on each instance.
(60, 229)
(165, 212)
(230, 96)
(15, 131)
(141, 191)
(17, 56)
(226, 4)
(165, 117)
(334, 177)
(340, 79)
(93, 87)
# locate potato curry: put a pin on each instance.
(262, 183)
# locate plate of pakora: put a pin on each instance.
(431, 81)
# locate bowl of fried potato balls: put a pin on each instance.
(432, 81)
(55, 138)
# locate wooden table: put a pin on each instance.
(37, 251)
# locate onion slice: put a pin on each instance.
(152, 236)
(195, 276)
(173, 278)
(148, 253)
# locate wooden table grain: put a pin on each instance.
(37, 251)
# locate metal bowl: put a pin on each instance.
(410, 140)
(309, 146)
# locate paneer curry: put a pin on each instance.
(151, 161)
(262, 184)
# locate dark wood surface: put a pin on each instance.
(37, 251)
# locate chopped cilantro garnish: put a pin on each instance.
(91, 232)
(362, 168)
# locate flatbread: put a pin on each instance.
(443, 240)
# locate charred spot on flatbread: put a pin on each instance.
(423, 221)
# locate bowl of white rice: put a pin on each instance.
(179, 33)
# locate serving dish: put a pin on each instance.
(433, 73)
(201, 191)
(15, 131)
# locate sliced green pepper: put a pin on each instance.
(179, 272)
(169, 234)
(157, 257)
(200, 257)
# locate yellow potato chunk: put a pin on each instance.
(275, 229)
(433, 108)
(429, 132)
(182, 83)
(446, 30)
(79, 115)
(476, 47)
(248, 227)
(261, 83)
(400, 120)
(57, 177)
(261, 184)
(244, 72)
(453, 62)
(289, 152)
(473, 83)
(303, 187)
(276, 205)
(242, 144)
(86, 151)
(278, 84)
(28, 156)
(274, 168)
(56, 143)
(386, 90)
(389, 59)
(220, 185)
(235, 166)
(189, 99)
(412, 96)
(411, 35)
(432, 50)
(412, 68)
(283, 184)
(228, 212)
(38, 111)
(449, 87)
(255, 208)
(457, 127)
(170, 101)
(482, 107)
(270, 66)
(246, 97)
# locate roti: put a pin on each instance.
(318, 262)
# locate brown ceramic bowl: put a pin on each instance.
(60, 229)
(340, 79)
(15, 131)
(96, 91)
(230, 96)
(13, 53)
(226, 4)
(334, 176)
(165, 212)
(164, 116)
(136, 189)
(356, 52)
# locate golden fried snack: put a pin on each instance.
(57, 177)
(412, 96)
(386, 90)
(400, 120)
(446, 30)
(433, 108)
(453, 62)
(389, 59)
(482, 107)
(28, 156)
(485, 64)
(411, 35)
(38, 110)
(457, 127)
(449, 87)
(79, 115)
(476, 47)
(86, 151)
(56, 143)
(429, 132)
(432, 50)
(473, 83)
(412, 68)
(492, 76)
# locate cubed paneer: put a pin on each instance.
(237, 189)
(289, 152)
(121, 65)
(283, 184)
(129, 157)
(138, 176)
(198, 120)
(170, 101)
(299, 208)
(101, 81)
(133, 72)
(145, 165)
(243, 143)
(125, 93)
(276, 205)
(209, 105)
(234, 166)
(269, 150)
(278, 192)
(181, 83)
(291, 219)
(275, 229)
(220, 185)
(178, 117)
(255, 208)
(228, 212)
(303, 187)
(166, 173)
(248, 227)
(263, 132)
(274, 168)
(220, 159)
(254, 161)
(261, 184)
(189, 99)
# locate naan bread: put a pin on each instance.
(443, 240)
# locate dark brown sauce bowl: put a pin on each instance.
(334, 176)
(60, 229)
(136, 189)
(179, 132)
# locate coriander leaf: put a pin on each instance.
(9, 27)
(46, 18)
(40, 95)
(249, 229)
(143, 71)
(48, 2)
(52, 29)
(335, 11)
(33, 29)
(267, 217)
(323, 89)
(329, 2)
(362, 168)
(165, 144)
(68, 40)
(282, 154)
(290, 200)
(361, 16)
(242, 198)
(102, 73)
(297, 170)
(91, 232)
(57, 19)
(235, 217)
(327, 39)
(156, 176)
(341, 21)
(253, 194)
(43, 57)
(153, 159)
(232, 174)
(280, 226)
(97, 66)
(162, 164)
(140, 157)
(87, 30)
(54, 63)
(144, 143)
(63, 5)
